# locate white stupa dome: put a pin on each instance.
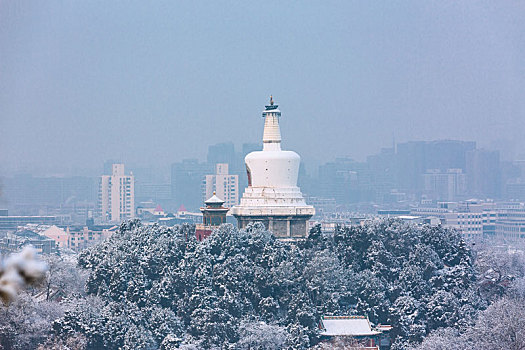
(272, 176)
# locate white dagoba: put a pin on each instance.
(272, 196)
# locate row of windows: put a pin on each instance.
(463, 216)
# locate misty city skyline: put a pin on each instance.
(150, 85)
(154, 196)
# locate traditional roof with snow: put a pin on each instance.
(53, 231)
(28, 234)
(352, 326)
(214, 200)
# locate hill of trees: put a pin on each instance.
(157, 287)
(154, 287)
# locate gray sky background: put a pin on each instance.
(153, 82)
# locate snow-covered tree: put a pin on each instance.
(18, 271)
(446, 339)
(159, 287)
(500, 326)
(63, 275)
(497, 267)
(258, 335)
(25, 322)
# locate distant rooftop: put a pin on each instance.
(214, 200)
(354, 326)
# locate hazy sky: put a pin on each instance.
(153, 82)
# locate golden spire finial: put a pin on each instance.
(271, 100)
(214, 193)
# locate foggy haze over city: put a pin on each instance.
(152, 83)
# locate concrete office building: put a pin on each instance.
(445, 186)
(186, 183)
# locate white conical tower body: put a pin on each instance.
(272, 195)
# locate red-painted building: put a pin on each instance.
(213, 215)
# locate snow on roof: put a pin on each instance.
(214, 200)
(408, 217)
(347, 325)
(28, 234)
(384, 327)
(53, 231)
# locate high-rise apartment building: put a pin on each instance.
(345, 180)
(222, 153)
(117, 195)
(26, 194)
(186, 183)
(223, 184)
(415, 158)
(484, 173)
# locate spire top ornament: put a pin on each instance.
(272, 105)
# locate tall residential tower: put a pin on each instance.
(224, 184)
(117, 195)
(272, 196)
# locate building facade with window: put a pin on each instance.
(225, 185)
(116, 197)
